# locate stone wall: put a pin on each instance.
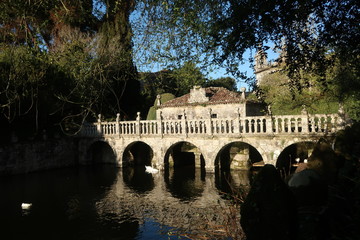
(16, 158)
(231, 110)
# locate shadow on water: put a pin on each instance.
(232, 182)
(137, 179)
(184, 182)
(63, 205)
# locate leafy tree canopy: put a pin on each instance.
(62, 60)
(226, 82)
(306, 31)
(314, 92)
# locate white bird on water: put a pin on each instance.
(26, 206)
(150, 169)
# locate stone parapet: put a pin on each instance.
(263, 125)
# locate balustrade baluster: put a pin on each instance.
(232, 127)
(311, 125)
(296, 128)
(241, 126)
(333, 124)
(276, 125)
(326, 122)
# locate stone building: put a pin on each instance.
(263, 67)
(210, 102)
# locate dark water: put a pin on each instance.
(104, 202)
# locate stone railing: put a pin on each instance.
(286, 124)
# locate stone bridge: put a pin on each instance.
(211, 143)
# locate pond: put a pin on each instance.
(105, 202)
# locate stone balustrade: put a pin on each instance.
(267, 125)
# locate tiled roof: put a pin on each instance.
(216, 95)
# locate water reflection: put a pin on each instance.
(184, 183)
(103, 202)
(137, 179)
(231, 182)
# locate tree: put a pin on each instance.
(226, 82)
(319, 94)
(276, 91)
(186, 77)
(176, 81)
(72, 58)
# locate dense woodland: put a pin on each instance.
(62, 62)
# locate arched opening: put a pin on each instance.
(184, 154)
(184, 171)
(101, 153)
(137, 154)
(237, 156)
(292, 155)
(232, 164)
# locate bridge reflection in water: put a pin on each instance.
(105, 202)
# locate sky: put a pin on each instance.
(140, 51)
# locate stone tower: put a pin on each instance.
(262, 66)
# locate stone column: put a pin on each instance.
(158, 100)
(269, 124)
(159, 123)
(242, 90)
(237, 121)
(197, 159)
(138, 127)
(117, 127)
(304, 121)
(209, 124)
(184, 124)
(98, 127)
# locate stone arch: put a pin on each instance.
(183, 153)
(237, 155)
(137, 153)
(184, 169)
(101, 152)
(293, 154)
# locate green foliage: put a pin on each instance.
(23, 74)
(186, 77)
(226, 82)
(60, 63)
(278, 92)
(177, 81)
(163, 99)
(151, 113)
